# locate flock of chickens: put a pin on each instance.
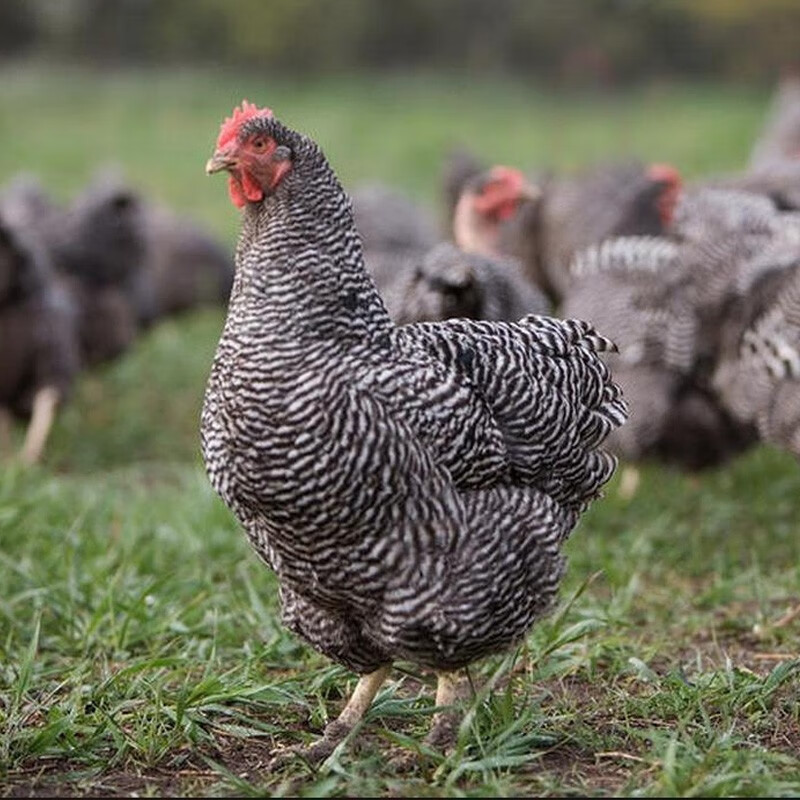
(408, 425)
(696, 284)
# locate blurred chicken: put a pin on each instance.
(97, 247)
(576, 211)
(38, 337)
(470, 278)
(779, 140)
(758, 371)
(679, 308)
(640, 292)
(184, 267)
(448, 282)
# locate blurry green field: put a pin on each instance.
(139, 645)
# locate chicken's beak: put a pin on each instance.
(218, 162)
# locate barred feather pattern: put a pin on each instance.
(640, 292)
(760, 380)
(705, 215)
(447, 282)
(391, 476)
(633, 290)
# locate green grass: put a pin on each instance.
(140, 650)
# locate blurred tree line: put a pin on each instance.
(602, 42)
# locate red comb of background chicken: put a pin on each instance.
(513, 177)
(668, 198)
(664, 173)
(503, 192)
(230, 127)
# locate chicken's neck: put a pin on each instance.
(472, 232)
(300, 272)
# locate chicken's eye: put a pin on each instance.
(258, 144)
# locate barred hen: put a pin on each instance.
(677, 306)
(625, 199)
(410, 486)
(641, 292)
(38, 337)
(758, 370)
(448, 282)
(573, 212)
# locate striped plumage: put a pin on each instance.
(758, 371)
(410, 486)
(468, 278)
(642, 292)
(574, 212)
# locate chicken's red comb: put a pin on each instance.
(229, 129)
(512, 175)
(664, 173)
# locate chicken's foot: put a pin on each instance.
(45, 403)
(338, 730)
(444, 728)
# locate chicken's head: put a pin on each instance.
(487, 200)
(498, 193)
(256, 163)
(670, 180)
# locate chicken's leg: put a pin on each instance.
(5, 431)
(444, 729)
(44, 411)
(336, 731)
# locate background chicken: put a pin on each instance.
(184, 267)
(758, 367)
(640, 292)
(411, 486)
(680, 308)
(779, 140)
(575, 211)
(395, 231)
(38, 336)
(97, 247)
(471, 278)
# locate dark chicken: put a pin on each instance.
(38, 338)
(184, 267)
(411, 487)
(97, 248)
